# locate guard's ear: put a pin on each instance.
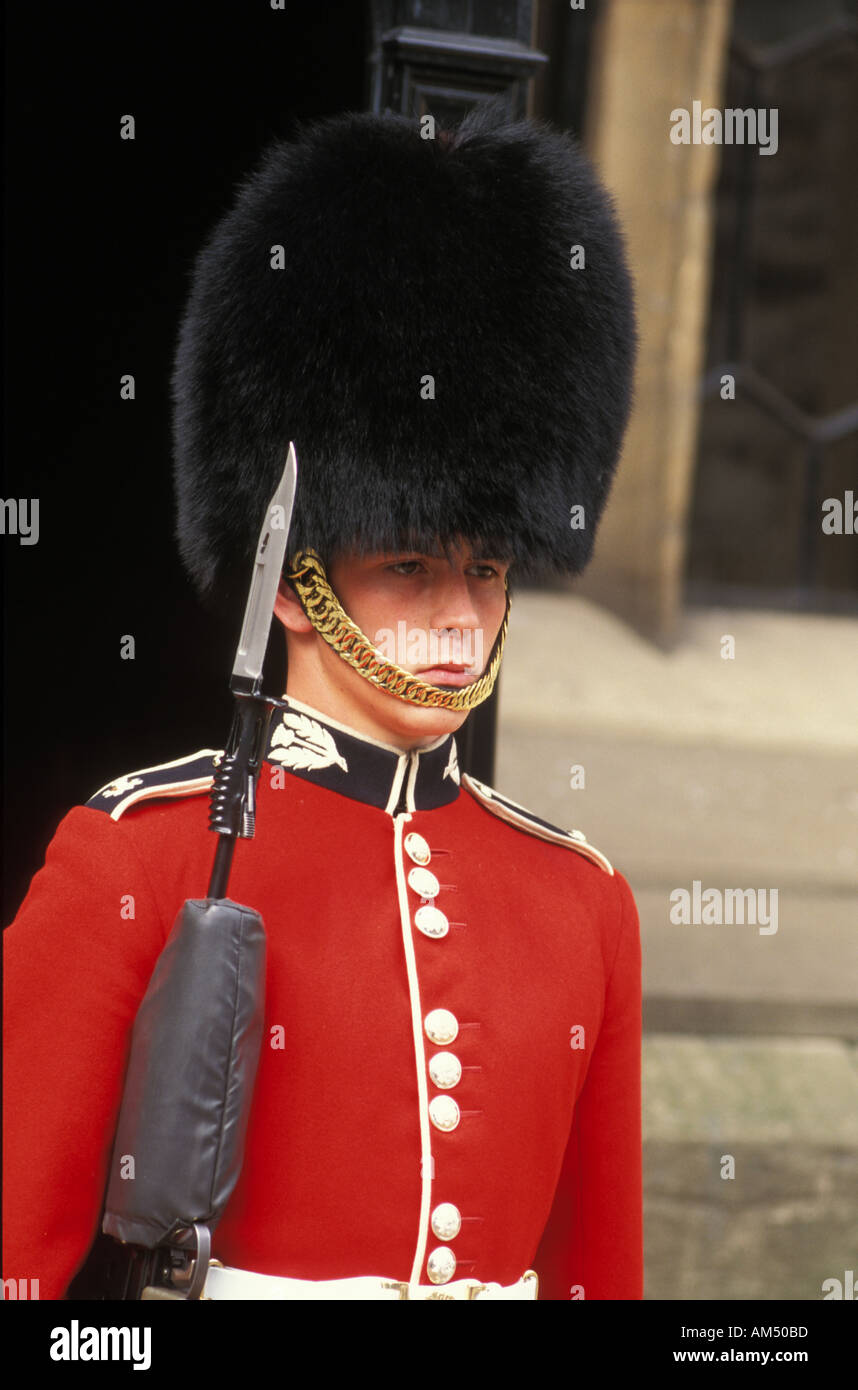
(288, 609)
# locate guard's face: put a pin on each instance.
(435, 617)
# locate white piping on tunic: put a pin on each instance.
(410, 804)
(426, 1164)
(520, 817)
(398, 775)
(166, 789)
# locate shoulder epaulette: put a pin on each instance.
(184, 777)
(516, 815)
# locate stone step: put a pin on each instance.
(668, 813)
(786, 1111)
(790, 685)
(729, 978)
(668, 817)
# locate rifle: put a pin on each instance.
(198, 1031)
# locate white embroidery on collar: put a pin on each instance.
(452, 768)
(304, 744)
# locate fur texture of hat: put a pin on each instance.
(423, 338)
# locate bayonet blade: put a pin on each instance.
(267, 569)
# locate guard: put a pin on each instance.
(447, 1102)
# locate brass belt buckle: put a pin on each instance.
(396, 1284)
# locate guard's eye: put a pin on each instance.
(405, 567)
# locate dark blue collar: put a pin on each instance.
(315, 747)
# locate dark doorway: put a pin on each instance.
(101, 234)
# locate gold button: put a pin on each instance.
(445, 1070)
(446, 1221)
(431, 921)
(441, 1265)
(424, 883)
(417, 849)
(444, 1113)
(441, 1026)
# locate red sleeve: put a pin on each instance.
(76, 966)
(592, 1246)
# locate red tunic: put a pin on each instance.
(345, 1164)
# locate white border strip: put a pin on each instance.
(397, 783)
(410, 804)
(166, 789)
(426, 1163)
(483, 794)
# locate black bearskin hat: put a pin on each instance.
(428, 336)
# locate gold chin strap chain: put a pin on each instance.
(331, 621)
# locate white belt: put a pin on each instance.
(223, 1282)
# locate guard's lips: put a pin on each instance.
(454, 675)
